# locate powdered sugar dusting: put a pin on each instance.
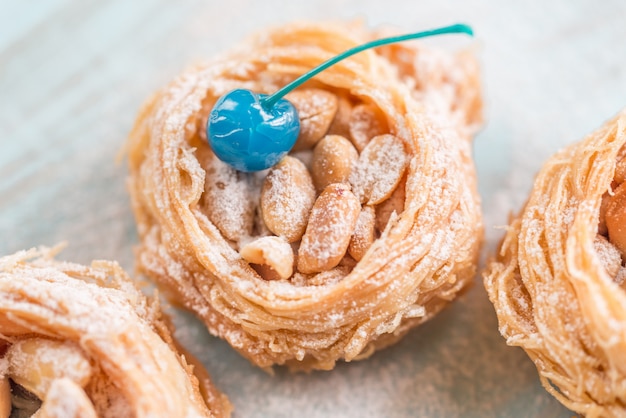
(58, 359)
(609, 255)
(122, 336)
(331, 225)
(287, 197)
(379, 169)
(365, 123)
(230, 197)
(316, 109)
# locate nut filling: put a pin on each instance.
(317, 189)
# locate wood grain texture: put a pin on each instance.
(74, 73)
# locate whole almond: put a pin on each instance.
(333, 159)
(316, 110)
(364, 233)
(366, 122)
(274, 252)
(341, 122)
(331, 224)
(379, 169)
(287, 196)
(229, 198)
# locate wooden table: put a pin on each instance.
(74, 73)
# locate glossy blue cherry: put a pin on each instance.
(249, 135)
(252, 132)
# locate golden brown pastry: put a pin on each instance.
(557, 281)
(369, 226)
(82, 341)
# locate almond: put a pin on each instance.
(366, 122)
(333, 159)
(331, 224)
(364, 233)
(66, 399)
(341, 122)
(395, 203)
(35, 363)
(379, 169)
(287, 196)
(228, 199)
(274, 252)
(316, 110)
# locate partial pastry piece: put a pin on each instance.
(557, 283)
(82, 341)
(369, 227)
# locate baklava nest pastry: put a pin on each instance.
(82, 341)
(367, 228)
(557, 283)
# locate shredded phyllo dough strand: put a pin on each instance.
(549, 284)
(88, 343)
(425, 254)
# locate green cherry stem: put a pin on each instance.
(269, 101)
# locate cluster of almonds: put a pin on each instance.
(610, 243)
(47, 369)
(324, 204)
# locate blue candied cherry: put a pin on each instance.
(252, 132)
(249, 135)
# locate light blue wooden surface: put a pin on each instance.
(74, 73)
